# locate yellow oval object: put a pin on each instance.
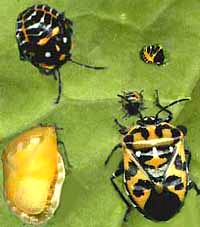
(34, 174)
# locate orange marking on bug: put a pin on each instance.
(62, 57)
(24, 30)
(47, 66)
(138, 137)
(46, 39)
(166, 133)
(138, 96)
(156, 162)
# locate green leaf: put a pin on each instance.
(107, 33)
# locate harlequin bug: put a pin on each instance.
(44, 37)
(132, 102)
(34, 173)
(153, 54)
(155, 165)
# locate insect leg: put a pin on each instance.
(192, 184)
(116, 174)
(112, 152)
(123, 129)
(57, 76)
(121, 96)
(64, 155)
(188, 157)
(126, 116)
(128, 210)
(88, 66)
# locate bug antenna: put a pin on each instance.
(141, 92)
(88, 66)
(171, 104)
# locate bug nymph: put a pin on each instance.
(153, 54)
(34, 172)
(132, 102)
(44, 38)
(155, 165)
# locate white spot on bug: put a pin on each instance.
(171, 149)
(138, 153)
(42, 19)
(22, 42)
(48, 54)
(32, 15)
(34, 26)
(155, 152)
(65, 40)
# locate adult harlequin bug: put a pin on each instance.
(132, 102)
(153, 54)
(44, 38)
(34, 173)
(155, 165)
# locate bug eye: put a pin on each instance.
(171, 149)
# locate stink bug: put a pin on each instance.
(44, 38)
(153, 54)
(132, 102)
(34, 173)
(155, 165)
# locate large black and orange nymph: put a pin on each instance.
(44, 38)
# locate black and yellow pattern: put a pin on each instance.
(155, 169)
(153, 54)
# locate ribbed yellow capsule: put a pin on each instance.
(34, 173)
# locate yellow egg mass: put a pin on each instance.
(33, 175)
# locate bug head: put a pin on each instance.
(149, 120)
